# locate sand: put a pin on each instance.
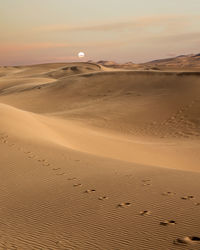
(97, 157)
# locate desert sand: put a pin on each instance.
(100, 156)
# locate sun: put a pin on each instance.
(81, 54)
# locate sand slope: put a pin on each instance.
(95, 158)
(183, 63)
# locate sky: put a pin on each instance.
(44, 31)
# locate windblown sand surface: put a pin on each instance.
(99, 158)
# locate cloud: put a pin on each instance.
(181, 38)
(14, 47)
(145, 22)
(63, 58)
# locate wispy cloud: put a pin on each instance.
(177, 38)
(169, 20)
(7, 48)
(13, 47)
(63, 58)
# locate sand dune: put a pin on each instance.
(182, 63)
(94, 157)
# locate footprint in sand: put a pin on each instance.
(31, 156)
(72, 179)
(146, 182)
(188, 240)
(77, 185)
(145, 212)
(27, 152)
(124, 205)
(168, 222)
(41, 160)
(101, 198)
(61, 244)
(89, 191)
(168, 193)
(44, 162)
(56, 169)
(60, 173)
(189, 197)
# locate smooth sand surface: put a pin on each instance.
(99, 158)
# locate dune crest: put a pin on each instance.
(94, 156)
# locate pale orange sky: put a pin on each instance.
(38, 31)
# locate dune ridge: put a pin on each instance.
(95, 156)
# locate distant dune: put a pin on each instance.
(100, 155)
(179, 63)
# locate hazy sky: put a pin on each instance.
(39, 31)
